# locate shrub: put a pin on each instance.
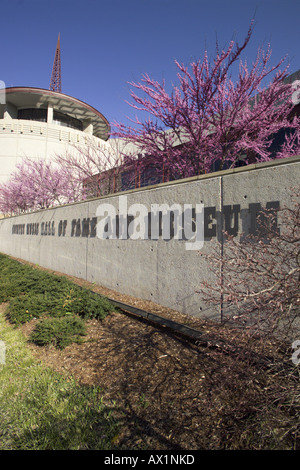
(32, 293)
(24, 308)
(17, 278)
(89, 305)
(59, 332)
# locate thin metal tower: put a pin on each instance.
(55, 83)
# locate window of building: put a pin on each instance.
(33, 114)
(65, 120)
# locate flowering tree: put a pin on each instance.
(291, 144)
(209, 118)
(97, 165)
(37, 184)
(258, 279)
(13, 199)
(79, 173)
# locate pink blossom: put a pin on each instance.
(208, 118)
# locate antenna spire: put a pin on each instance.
(55, 83)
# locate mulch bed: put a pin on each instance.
(167, 392)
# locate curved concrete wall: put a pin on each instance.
(22, 138)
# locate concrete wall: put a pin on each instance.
(165, 271)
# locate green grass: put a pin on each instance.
(41, 410)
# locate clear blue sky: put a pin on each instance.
(107, 43)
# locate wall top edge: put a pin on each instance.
(217, 174)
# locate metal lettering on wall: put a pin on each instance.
(231, 217)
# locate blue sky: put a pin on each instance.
(107, 43)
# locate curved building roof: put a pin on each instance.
(27, 97)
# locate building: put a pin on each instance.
(39, 123)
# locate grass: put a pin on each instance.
(41, 410)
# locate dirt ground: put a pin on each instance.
(167, 392)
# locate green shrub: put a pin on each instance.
(11, 274)
(59, 332)
(32, 293)
(17, 278)
(89, 305)
(24, 308)
(30, 281)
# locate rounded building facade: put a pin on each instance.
(39, 123)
